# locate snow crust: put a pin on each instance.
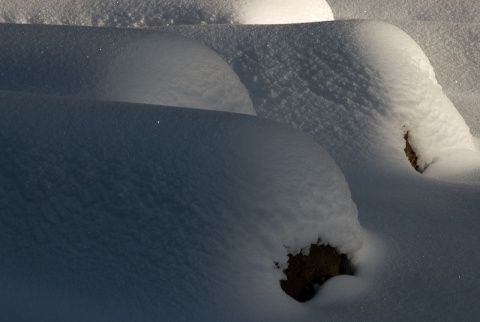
(124, 65)
(189, 209)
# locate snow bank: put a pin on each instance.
(180, 212)
(140, 14)
(119, 65)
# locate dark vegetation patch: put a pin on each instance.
(411, 155)
(306, 273)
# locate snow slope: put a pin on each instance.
(121, 65)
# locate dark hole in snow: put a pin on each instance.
(306, 273)
(412, 157)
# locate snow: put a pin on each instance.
(120, 66)
(281, 11)
(166, 198)
(149, 13)
(387, 86)
(432, 10)
(120, 211)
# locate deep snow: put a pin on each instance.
(353, 86)
(186, 210)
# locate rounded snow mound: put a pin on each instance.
(411, 103)
(179, 212)
(118, 64)
(174, 71)
(284, 12)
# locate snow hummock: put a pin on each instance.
(284, 11)
(190, 209)
(176, 72)
(413, 101)
(357, 89)
(119, 65)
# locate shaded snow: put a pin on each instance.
(122, 65)
(174, 207)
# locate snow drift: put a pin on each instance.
(119, 65)
(189, 209)
(356, 86)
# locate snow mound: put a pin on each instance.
(119, 64)
(452, 49)
(150, 13)
(281, 11)
(412, 100)
(175, 72)
(356, 86)
(109, 201)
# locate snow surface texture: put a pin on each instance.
(319, 78)
(128, 66)
(187, 209)
(415, 101)
(447, 31)
(464, 11)
(360, 94)
(126, 13)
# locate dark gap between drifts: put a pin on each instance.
(306, 273)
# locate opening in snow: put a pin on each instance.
(308, 270)
(411, 155)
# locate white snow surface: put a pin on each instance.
(84, 184)
(127, 66)
(447, 31)
(284, 12)
(148, 13)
